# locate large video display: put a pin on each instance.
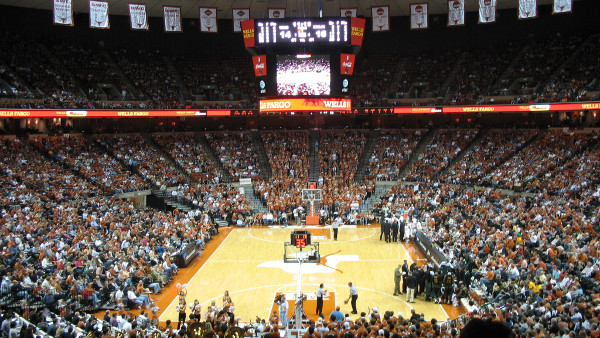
(303, 75)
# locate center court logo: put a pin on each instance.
(328, 264)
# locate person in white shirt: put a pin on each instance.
(141, 300)
(127, 326)
(283, 310)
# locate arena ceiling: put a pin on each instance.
(258, 8)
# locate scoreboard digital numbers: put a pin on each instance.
(306, 32)
(300, 239)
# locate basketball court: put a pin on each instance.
(249, 264)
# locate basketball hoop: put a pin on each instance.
(311, 196)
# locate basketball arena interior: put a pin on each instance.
(330, 169)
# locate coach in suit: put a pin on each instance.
(397, 278)
(404, 274)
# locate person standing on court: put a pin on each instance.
(411, 285)
(404, 275)
(353, 296)
(397, 278)
(283, 310)
(336, 225)
(320, 294)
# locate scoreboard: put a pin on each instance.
(300, 239)
(304, 60)
(302, 31)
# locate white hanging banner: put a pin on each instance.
(239, 15)
(138, 18)
(276, 13)
(381, 18)
(208, 20)
(419, 18)
(63, 12)
(348, 12)
(172, 17)
(527, 9)
(562, 6)
(487, 11)
(99, 14)
(456, 12)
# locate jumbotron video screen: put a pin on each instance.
(303, 75)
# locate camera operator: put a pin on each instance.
(283, 310)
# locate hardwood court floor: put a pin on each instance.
(249, 264)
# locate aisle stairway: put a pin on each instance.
(476, 141)
(256, 204)
(148, 138)
(226, 177)
(425, 140)
(261, 155)
(315, 168)
(365, 157)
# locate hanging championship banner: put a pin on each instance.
(137, 17)
(381, 18)
(172, 17)
(260, 65)
(456, 13)
(527, 9)
(239, 15)
(348, 12)
(276, 13)
(347, 64)
(99, 14)
(208, 20)
(562, 6)
(419, 16)
(487, 11)
(63, 12)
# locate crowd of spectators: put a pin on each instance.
(149, 80)
(576, 174)
(149, 73)
(392, 152)
(439, 153)
(426, 73)
(495, 147)
(535, 63)
(533, 259)
(92, 70)
(236, 152)
(85, 158)
(48, 85)
(339, 158)
(478, 70)
(188, 152)
(338, 162)
(574, 79)
(288, 153)
(527, 167)
(372, 78)
(209, 79)
(141, 157)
